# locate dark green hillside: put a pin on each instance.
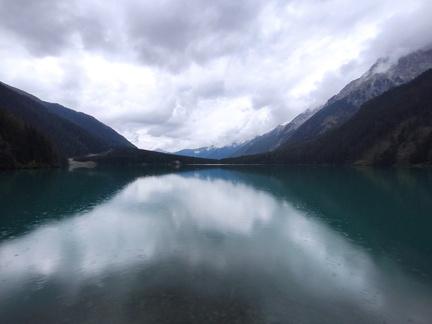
(90, 124)
(22, 146)
(70, 139)
(131, 156)
(87, 122)
(395, 128)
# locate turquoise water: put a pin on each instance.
(216, 245)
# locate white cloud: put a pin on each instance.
(175, 74)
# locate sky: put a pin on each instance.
(175, 74)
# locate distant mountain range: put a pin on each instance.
(259, 144)
(212, 152)
(382, 118)
(273, 139)
(394, 128)
(382, 76)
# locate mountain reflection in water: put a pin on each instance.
(210, 246)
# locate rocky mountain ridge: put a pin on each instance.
(393, 128)
(273, 139)
(381, 77)
(384, 75)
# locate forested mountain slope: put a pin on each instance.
(87, 122)
(382, 76)
(394, 128)
(90, 124)
(70, 139)
(22, 146)
(73, 133)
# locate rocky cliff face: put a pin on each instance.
(381, 77)
(260, 144)
(384, 75)
(273, 139)
(392, 129)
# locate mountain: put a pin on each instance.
(91, 124)
(273, 139)
(394, 128)
(264, 143)
(23, 146)
(72, 133)
(211, 152)
(382, 76)
(87, 122)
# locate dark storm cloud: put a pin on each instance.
(211, 89)
(404, 33)
(44, 26)
(53, 27)
(174, 34)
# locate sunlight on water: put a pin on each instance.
(193, 248)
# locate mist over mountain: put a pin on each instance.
(394, 128)
(260, 144)
(273, 139)
(303, 140)
(382, 76)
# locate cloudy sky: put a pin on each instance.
(176, 74)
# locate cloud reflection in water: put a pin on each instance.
(194, 230)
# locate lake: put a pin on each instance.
(245, 244)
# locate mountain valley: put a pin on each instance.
(381, 118)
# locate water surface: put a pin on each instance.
(216, 245)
